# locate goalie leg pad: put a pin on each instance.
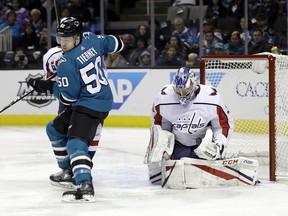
(173, 174)
(154, 173)
(195, 173)
(220, 173)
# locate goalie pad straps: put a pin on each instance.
(195, 173)
(161, 142)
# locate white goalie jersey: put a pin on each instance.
(189, 123)
(188, 139)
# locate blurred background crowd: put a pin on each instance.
(182, 30)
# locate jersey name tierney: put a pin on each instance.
(84, 57)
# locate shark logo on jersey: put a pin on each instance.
(35, 99)
(212, 79)
(123, 85)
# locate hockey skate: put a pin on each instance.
(84, 193)
(63, 179)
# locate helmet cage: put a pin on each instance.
(184, 84)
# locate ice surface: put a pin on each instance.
(120, 181)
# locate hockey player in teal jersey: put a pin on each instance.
(82, 85)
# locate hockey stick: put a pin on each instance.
(56, 12)
(23, 96)
(51, 77)
(167, 178)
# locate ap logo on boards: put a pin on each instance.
(122, 86)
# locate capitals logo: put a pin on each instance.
(34, 99)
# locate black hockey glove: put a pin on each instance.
(41, 86)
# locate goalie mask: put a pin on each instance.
(184, 84)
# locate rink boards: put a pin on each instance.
(133, 91)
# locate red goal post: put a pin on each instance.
(255, 89)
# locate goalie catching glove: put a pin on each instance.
(212, 150)
(41, 86)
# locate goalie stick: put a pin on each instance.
(23, 96)
(167, 178)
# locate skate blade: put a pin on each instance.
(70, 198)
(68, 185)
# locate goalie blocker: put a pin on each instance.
(194, 173)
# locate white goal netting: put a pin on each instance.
(255, 91)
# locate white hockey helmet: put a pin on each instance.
(184, 84)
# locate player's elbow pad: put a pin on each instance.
(120, 43)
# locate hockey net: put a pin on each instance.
(254, 87)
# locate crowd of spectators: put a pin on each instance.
(180, 45)
(28, 22)
(177, 43)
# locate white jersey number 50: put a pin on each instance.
(99, 77)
